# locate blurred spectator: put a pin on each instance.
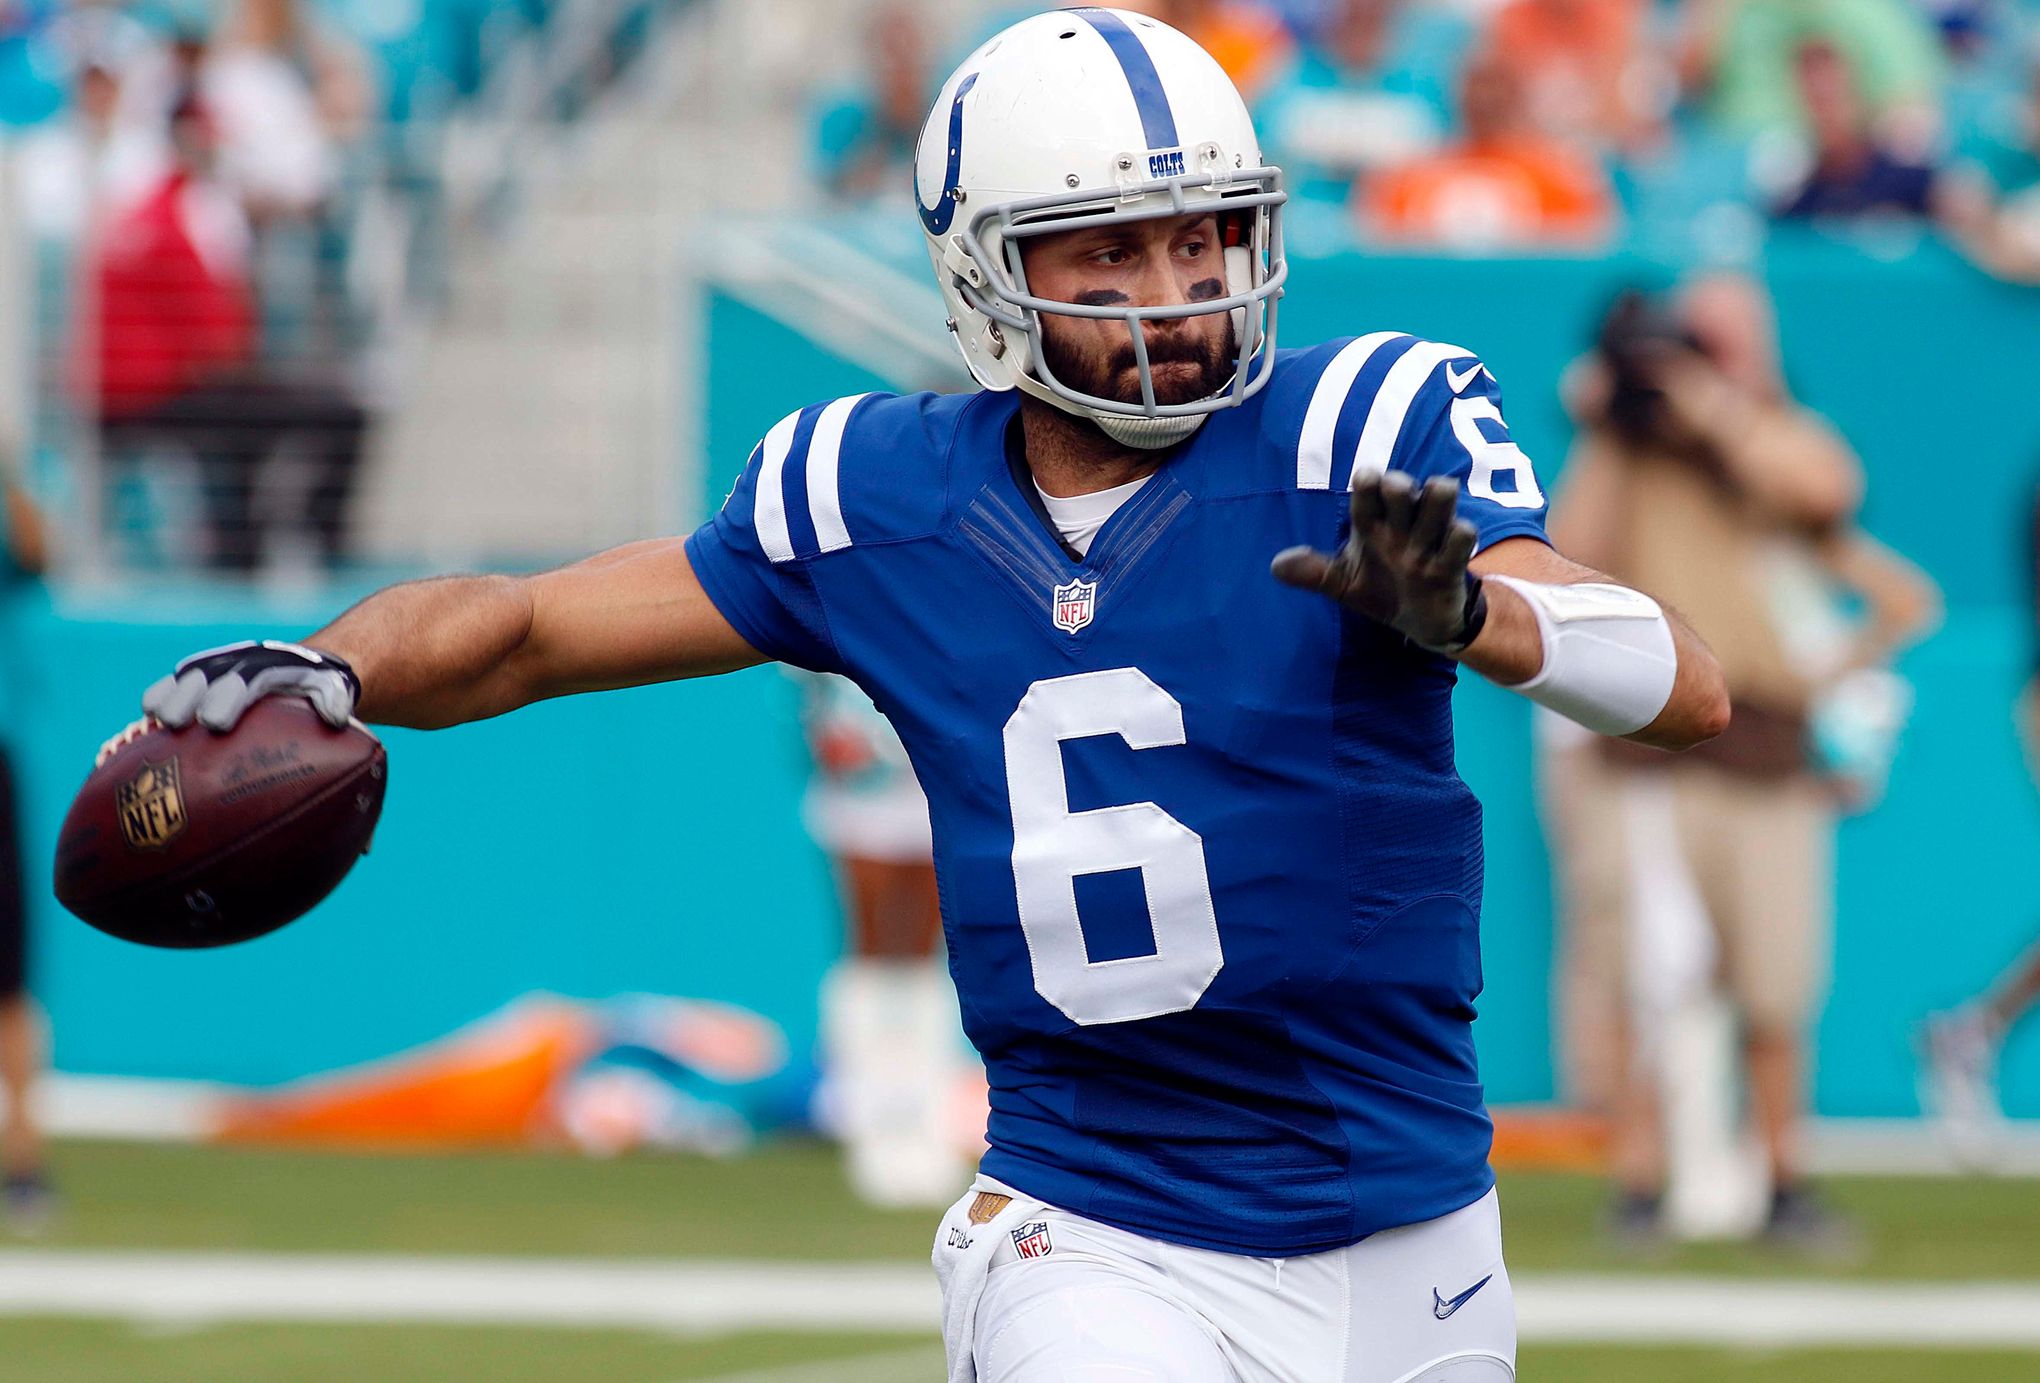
(1371, 88)
(1990, 204)
(287, 94)
(71, 168)
(1248, 39)
(1853, 171)
(26, 1200)
(170, 356)
(44, 44)
(291, 97)
(1503, 185)
(866, 137)
(1698, 478)
(1584, 67)
(1966, 27)
(1738, 57)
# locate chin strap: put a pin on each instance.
(1145, 434)
(1148, 434)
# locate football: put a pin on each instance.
(190, 839)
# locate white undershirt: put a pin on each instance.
(1079, 517)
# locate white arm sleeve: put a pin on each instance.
(1609, 658)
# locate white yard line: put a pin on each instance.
(1774, 1312)
(704, 1297)
(923, 1362)
(693, 1298)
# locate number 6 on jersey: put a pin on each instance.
(1052, 845)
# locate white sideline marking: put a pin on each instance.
(889, 1367)
(708, 1297)
(1777, 1312)
(697, 1297)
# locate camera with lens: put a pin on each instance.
(1639, 338)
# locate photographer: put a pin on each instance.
(1697, 476)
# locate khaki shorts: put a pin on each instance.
(1762, 856)
(1581, 801)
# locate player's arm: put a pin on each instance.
(460, 648)
(1520, 614)
(1902, 602)
(453, 649)
(1519, 648)
(1790, 461)
(446, 651)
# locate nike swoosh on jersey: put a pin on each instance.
(1442, 1309)
(1459, 381)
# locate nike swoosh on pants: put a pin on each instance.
(1441, 1308)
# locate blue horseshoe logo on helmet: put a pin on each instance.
(938, 217)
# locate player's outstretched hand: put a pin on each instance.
(217, 686)
(1404, 563)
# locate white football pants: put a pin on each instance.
(1042, 1295)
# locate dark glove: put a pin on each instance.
(217, 687)
(1404, 563)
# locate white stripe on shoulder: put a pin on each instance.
(1321, 419)
(768, 513)
(1391, 406)
(825, 454)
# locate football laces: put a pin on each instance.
(126, 737)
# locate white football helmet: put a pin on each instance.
(1078, 117)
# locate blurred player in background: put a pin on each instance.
(26, 1200)
(1959, 1059)
(888, 1012)
(1210, 878)
(1959, 1049)
(1697, 475)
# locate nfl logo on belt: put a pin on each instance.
(1031, 1239)
(1074, 605)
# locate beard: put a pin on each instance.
(1185, 367)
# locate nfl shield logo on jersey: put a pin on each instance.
(1031, 1240)
(1074, 605)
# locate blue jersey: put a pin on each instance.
(1210, 879)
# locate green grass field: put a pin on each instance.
(94, 1352)
(789, 1202)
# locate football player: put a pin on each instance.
(1210, 881)
(892, 1071)
(1958, 1049)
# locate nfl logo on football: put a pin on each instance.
(1031, 1239)
(1074, 605)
